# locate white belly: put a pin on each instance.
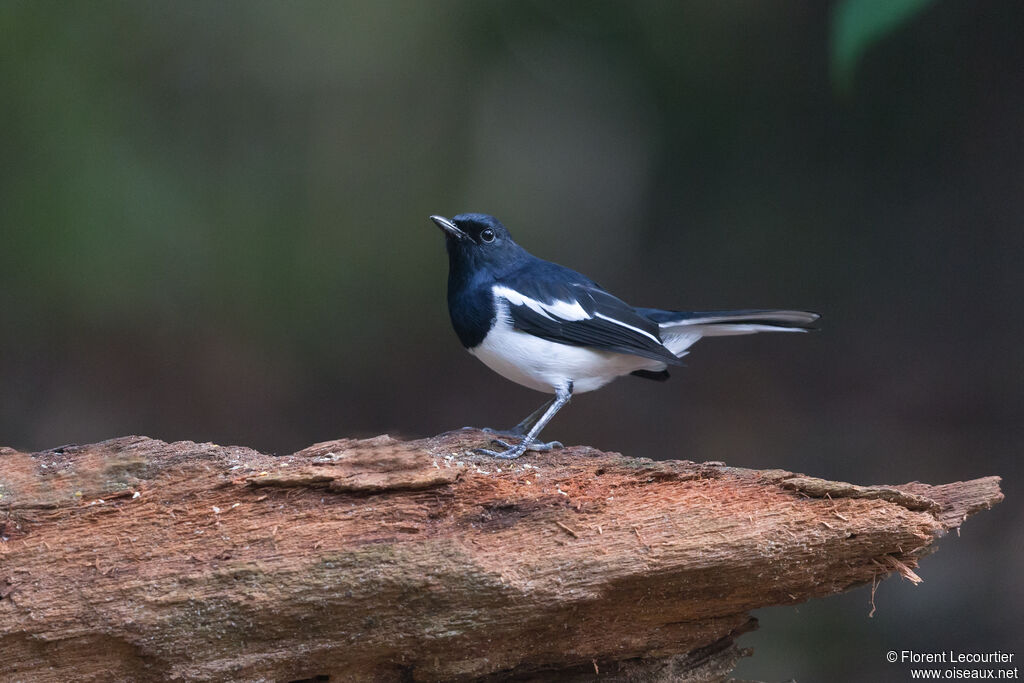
(545, 365)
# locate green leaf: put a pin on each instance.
(859, 24)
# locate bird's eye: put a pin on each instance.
(487, 235)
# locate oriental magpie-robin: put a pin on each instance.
(554, 330)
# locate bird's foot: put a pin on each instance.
(544, 446)
(512, 452)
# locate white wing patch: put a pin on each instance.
(562, 310)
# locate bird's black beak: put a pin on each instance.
(449, 227)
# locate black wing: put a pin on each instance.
(580, 314)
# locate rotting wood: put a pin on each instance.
(387, 560)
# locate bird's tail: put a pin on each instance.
(681, 330)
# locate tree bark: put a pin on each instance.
(387, 560)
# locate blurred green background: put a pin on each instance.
(214, 227)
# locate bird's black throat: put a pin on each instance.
(470, 301)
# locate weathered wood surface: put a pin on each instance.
(387, 560)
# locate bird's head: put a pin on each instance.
(476, 239)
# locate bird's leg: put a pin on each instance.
(523, 427)
(511, 452)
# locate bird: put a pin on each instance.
(554, 330)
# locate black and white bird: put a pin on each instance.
(552, 329)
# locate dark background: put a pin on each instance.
(214, 227)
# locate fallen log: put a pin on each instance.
(386, 560)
